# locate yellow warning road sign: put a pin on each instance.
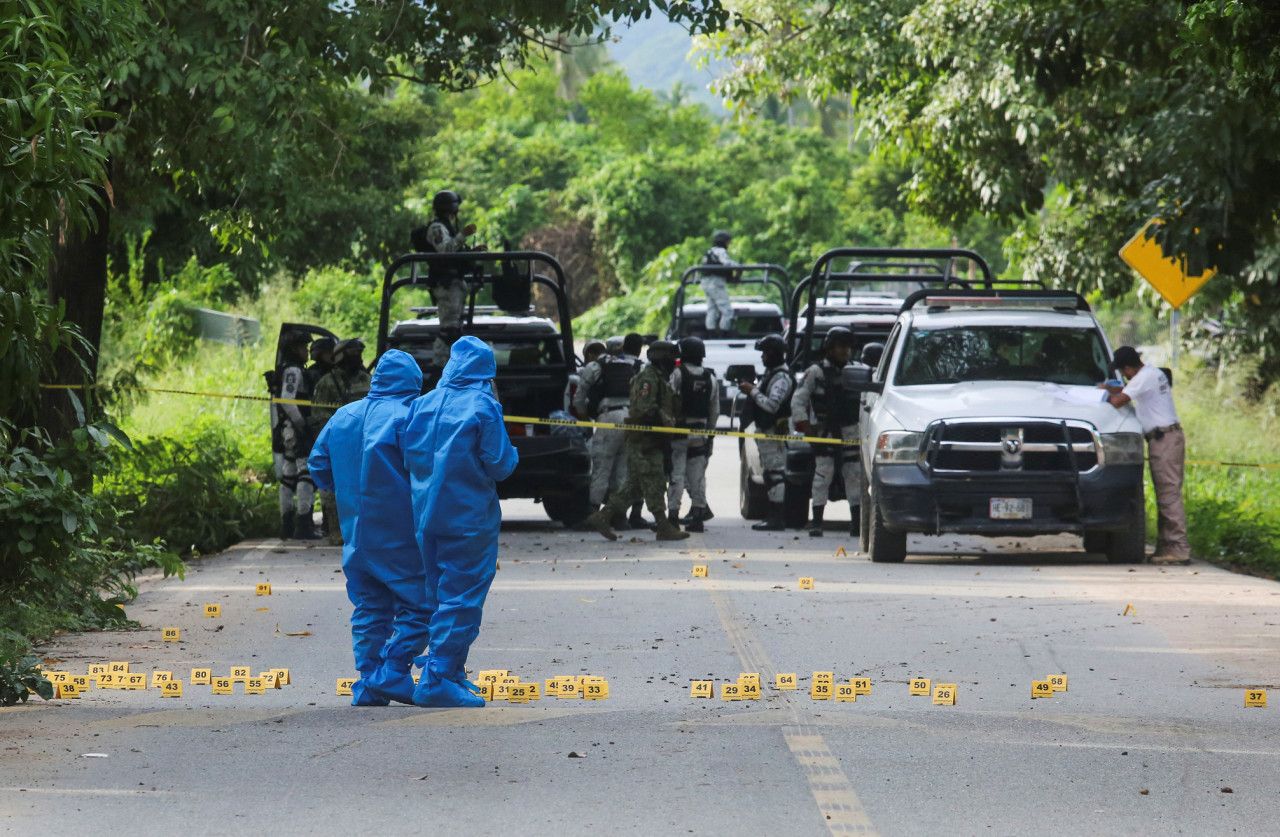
(1168, 276)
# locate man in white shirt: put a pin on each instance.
(1152, 397)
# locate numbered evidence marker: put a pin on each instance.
(1058, 682)
(201, 676)
(171, 688)
(786, 682)
(844, 693)
(108, 681)
(344, 686)
(269, 679)
(67, 690)
(254, 686)
(730, 691)
(282, 676)
(702, 689)
(565, 687)
(158, 677)
(134, 682)
(595, 690)
(750, 690)
(519, 692)
(1041, 689)
(240, 673)
(1256, 697)
(57, 678)
(223, 686)
(263, 589)
(213, 611)
(81, 682)
(944, 694)
(920, 687)
(821, 690)
(699, 570)
(172, 635)
(117, 668)
(98, 669)
(861, 685)
(806, 582)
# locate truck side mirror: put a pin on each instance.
(856, 377)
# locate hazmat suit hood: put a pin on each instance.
(470, 361)
(397, 374)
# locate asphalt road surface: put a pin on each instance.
(1151, 737)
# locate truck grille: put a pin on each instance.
(1017, 445)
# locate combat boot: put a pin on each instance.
(286, 526)
(673, 517)
(774, 520)
(304, 528)
(637, 520)
(668, 531)
(697, 514)
(815, 526)
(695, 526)
(600, 523)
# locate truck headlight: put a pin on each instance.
(898, 447)
(1122, 448)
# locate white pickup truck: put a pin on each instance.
(983, 417)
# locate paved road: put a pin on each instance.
(1149, 735)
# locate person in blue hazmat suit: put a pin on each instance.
(456, 450)
(356, 457)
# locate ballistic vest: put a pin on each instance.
(695, 394)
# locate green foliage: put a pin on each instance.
(192, 491)
(20, 679)
(343, 301)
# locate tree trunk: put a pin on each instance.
(78, 279)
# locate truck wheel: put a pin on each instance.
(1130, 545)
(795, 506)
(864, 516)
(569, 509)
(752, 499)
(883, 546)
(1096, 542)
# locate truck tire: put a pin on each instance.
(1129, 546)
(883, 546)
(752, 498)
(1096, 541)
(864, 516)
(569, 509)
(795, 506)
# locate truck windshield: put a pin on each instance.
(946, 355)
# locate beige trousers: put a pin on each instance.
(1165, 457)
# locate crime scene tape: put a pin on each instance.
(677, 431)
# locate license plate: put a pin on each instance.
(1010, 508)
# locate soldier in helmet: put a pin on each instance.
(604, 395)
(822, 407)
(322, 351)
(719, 309)
(290, 424)
(697, 405)
(448, 285)
(771, 410)
(651, 403)
(347, 381)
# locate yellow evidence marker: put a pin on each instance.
(269, 679)
(223, 686)
(158, 677)
(67, 690)
(57, 677)
(282, 676)
(213, 611)
(786, 682)
(518, 693)
(486, 690)
(749, 677)
(1256, 697)
(263, 589)
(750, 690)
(201, 676)
(108, 681)
(172, 635)
(254, 686)
(861, 685)
(700, 571)
(845, 693)
(567, 688)
(1058, 682)
(806, 582)
(134, 682)
(1041, 689)
(171, 688)
(240, 673)
(821, 690)
(81, 682)
(117, 668)
(1129, 609)
(702, 689)
(944, 694)
(920, 687)
(730, 691)
(344, 686)
(97, 669)
(595, 690)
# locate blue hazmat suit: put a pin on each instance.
(356, 457)
(456, 450)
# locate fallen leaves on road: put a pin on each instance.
(588, 601)
(292, 633)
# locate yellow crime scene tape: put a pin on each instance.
(676, 431)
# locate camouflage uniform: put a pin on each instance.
(689, 454)
(830, 411)
(340, 387)
(652, 403)
(772, 402)
(450, 293)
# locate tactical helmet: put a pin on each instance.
(354, 344)
(446, 203)
(662, 350)
(321, 345)
(593, 346)
(771, 342)
(721, 238)
(838, 336)
(295, 338)
(613, 345)
(871, 354)
(692, 350)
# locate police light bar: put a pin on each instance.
(1040, 302)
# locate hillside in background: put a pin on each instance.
(655, 54)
